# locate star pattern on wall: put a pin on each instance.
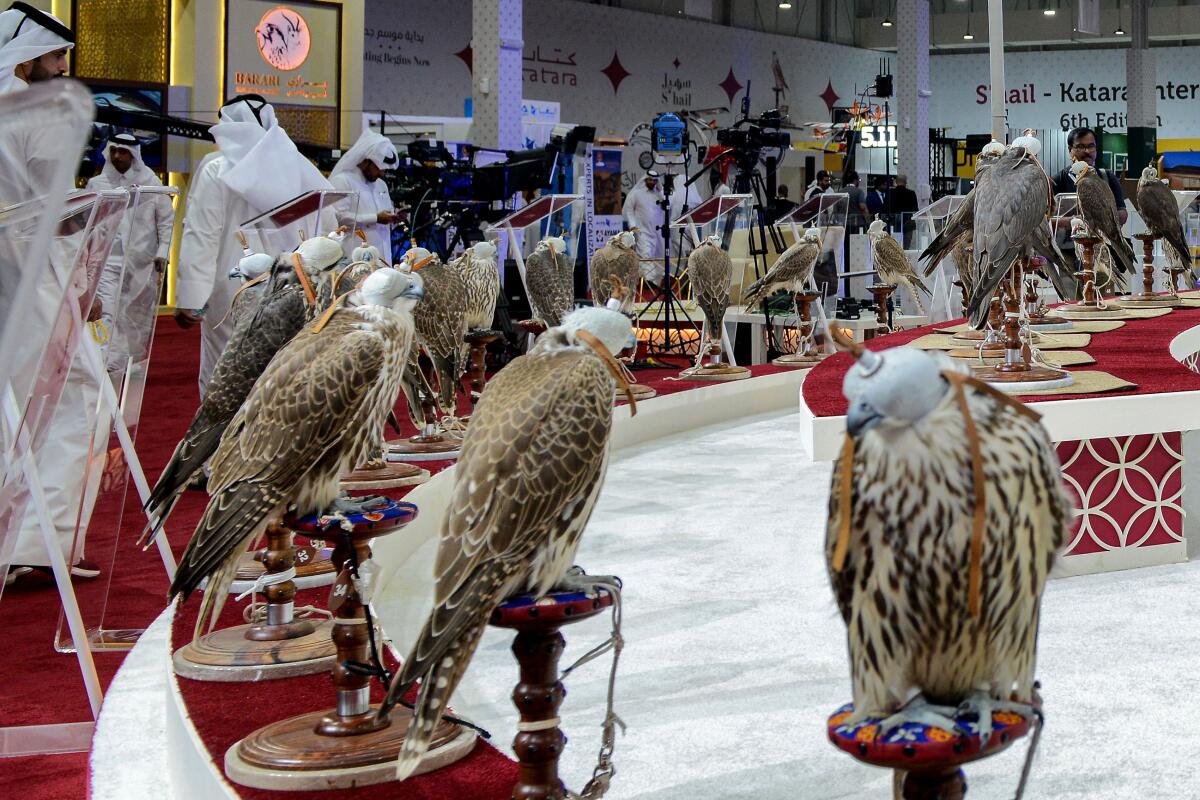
(675, 63)
(615, 72)
(468, 57)
(829, 95)
(730, 85)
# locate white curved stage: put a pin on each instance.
(735, 654)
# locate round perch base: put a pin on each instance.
(438, 447)
(640, 392)
(1152, 300)
(391, 475)
(930, 756)
(313, 569)
(228, 656)
(1027, 380)
(1092, 311)
(800, 360)
(988, 351)
(724, 372)
(290, 755)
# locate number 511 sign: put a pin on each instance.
(878, 135)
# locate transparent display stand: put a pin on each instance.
(928, 222)
(313, 213)
(518, 234)
(829, 212)
(130, 288)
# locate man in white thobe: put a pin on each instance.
(33, 48)
(360, 171)
(643, 210)
(129, 285)
(255, 168)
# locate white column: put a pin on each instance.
(912, 94)
(496, 91)
(1142, 96)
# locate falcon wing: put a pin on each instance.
(893, 265)
(958, 226)
(711, 273)
(1099, 209)
(604, 263)
(794, 266)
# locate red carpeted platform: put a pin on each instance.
(1137, 352)
(43, 686)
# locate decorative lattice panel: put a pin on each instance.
(313, 125)
(125, 40)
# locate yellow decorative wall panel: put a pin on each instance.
(126, 40)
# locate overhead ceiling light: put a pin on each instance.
(1119, 31)
(1048, 11)
(887, 22)
(968, 36)
(785, 6)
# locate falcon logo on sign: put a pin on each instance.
(283, 38)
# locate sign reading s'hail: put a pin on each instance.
(290, 53)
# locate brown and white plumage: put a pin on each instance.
(533, 460)
(481, 282)
(892, 265)
(711, 274)
(1098, 207)
(1011, 222)
(317, 411)
(790, 271)
(441, 324)
(270, 324)
(902, 586)
(550, 280)
(1156, 203)
(618, 257)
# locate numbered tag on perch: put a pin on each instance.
(305, 555)
(340, 592)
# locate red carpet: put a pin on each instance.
(43, 686)
(1137, 352)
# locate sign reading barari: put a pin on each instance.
(289, 53)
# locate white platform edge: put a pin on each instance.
(192, 775)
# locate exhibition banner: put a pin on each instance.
(602, 187)
(289, 53)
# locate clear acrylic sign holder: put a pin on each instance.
(117, 368)
(717, 216)
(518, 234)
(313, 213)
(928, 223)
(828, 212)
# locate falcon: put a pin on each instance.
(940, 594)
(892, 265)
(958, 228)
(254, 270)
(481, 279)
(284, 309)
(1011, 222)
(1098, 208)
(1158, 208)
(618, 257)
(441, 324)
(711, 273)
(790, 271)
(317, 412)
(550, 280)
(532, 464)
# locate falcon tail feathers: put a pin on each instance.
(1182, 252)
(191, 454)
(437, 684)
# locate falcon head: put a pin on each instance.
(1079, 228)
(1031, 144)
(714, 240)
(365, 252)
(251, 266)
(319, 253)
(391, 288)
(1078, 170)
(626, 239)
(813, 235)
(876, 230)
(556, 244)
(992, 149)
(1149, 175)
(484, 251)
(611, 327)
(414, 259)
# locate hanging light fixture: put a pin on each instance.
(785, 5)
(1049, 10)
(968, 36)
(1120, 31)
(887, 20)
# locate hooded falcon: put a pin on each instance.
(481, 279)
(441, 324)
(791, 271)
(618, 257)
(254, 270)
(891, 265)
(550, 279)
(711, 273)
(317, 412)
(1011, 222)
(284, 309)
(1156, 203)
(940, 594)
(532, 464)
(959, 228)
(1098, 208)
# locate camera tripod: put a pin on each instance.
(665, 297)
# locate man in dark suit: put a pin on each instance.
(903, 202)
